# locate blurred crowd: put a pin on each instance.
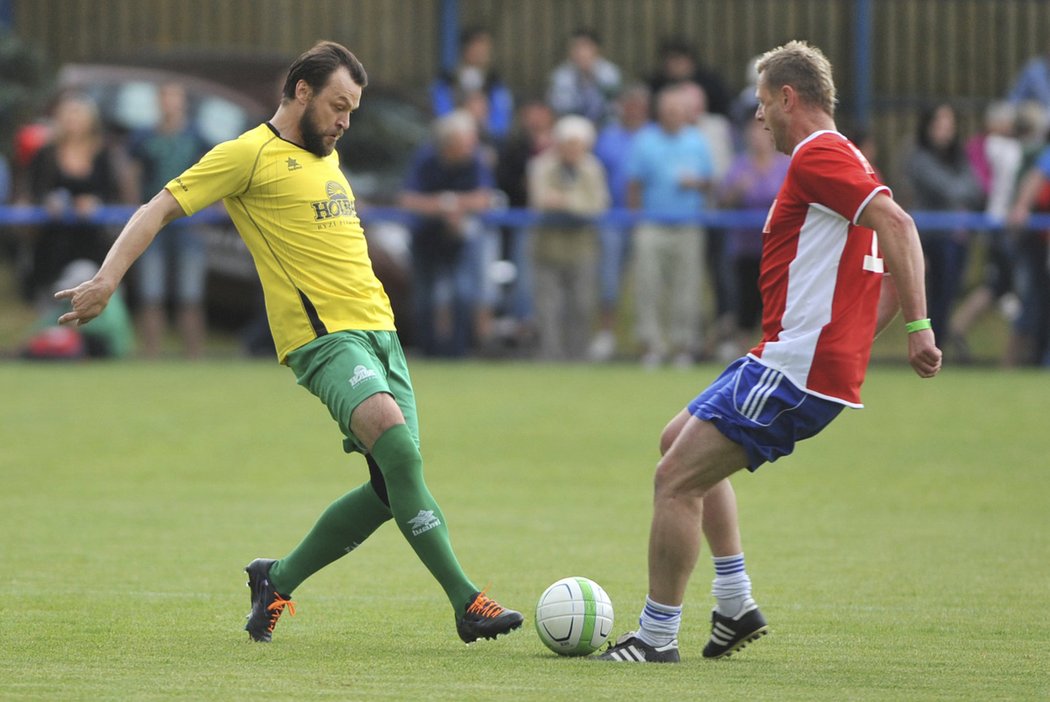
(576, 281)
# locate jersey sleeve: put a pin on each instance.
(838, 178)
(224, 171)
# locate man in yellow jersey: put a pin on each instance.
(331, 322)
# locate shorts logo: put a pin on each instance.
(423, 522)
(361, 374)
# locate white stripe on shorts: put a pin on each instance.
(759, 394)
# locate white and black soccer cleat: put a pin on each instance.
(730, 634)
(630, 649)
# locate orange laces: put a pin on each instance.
(485, 606)
(276, 607)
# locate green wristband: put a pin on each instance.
(918, 325)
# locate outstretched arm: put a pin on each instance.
(91, 297)
(899, 243)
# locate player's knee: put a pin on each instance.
(671, 432)
(396, 454)
(666, 439)
(675, 478)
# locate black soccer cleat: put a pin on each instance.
(730, 634)
(630, 649)
(267, 603)
(484, 618)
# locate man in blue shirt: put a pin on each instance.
(669, 169)
(613, 146)
(447, 185)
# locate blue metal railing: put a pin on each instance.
(117, 215)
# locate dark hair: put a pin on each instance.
(317, 64)
(677, 46)
(586, 33)
(470, 34)
(951, 153)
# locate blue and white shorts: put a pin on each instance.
(760, 409)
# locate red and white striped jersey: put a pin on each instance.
(821, 273)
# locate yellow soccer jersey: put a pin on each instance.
(296, 213)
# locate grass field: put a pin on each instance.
(902, 555)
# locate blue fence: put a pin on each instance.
(117, 215)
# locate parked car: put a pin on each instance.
(231, 93)
(375, 153)
(127, 99)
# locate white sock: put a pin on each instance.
(658, 625)
(732, 586)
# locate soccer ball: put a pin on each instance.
(574, 617)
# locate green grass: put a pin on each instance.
(902, 555)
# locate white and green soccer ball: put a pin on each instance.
(574, 617)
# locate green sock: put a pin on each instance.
(417, 513)
(339, 530)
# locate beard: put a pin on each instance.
(313, 137)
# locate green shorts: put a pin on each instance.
(345, 368)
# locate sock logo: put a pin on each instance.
(361, 374)
(423, 522)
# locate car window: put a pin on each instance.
(135, 105)
(219, 120)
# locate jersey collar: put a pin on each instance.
(811, 137)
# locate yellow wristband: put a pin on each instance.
(918, 325)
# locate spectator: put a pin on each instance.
(752, 183)
(941, 179)
(586, 83)
(719, 134)
(669, 170)
(613, 145)
(110, 335)
(72, 176)
(447, 186)
(1030, 343)
(865, 141)
(995, 156)
(745, 104)
(531, 136)
(178, 250)
(567, 187)
(475, 75)
(5, 180)
(1033, 82)
(716, 127)
(678, 63)
(476, 105)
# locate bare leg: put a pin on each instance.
(151, 329)
(698, 459)
(191, 324)
(720, 523)
(970, 309)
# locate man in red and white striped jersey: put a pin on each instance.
(832, 239)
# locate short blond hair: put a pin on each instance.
(805, 68)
